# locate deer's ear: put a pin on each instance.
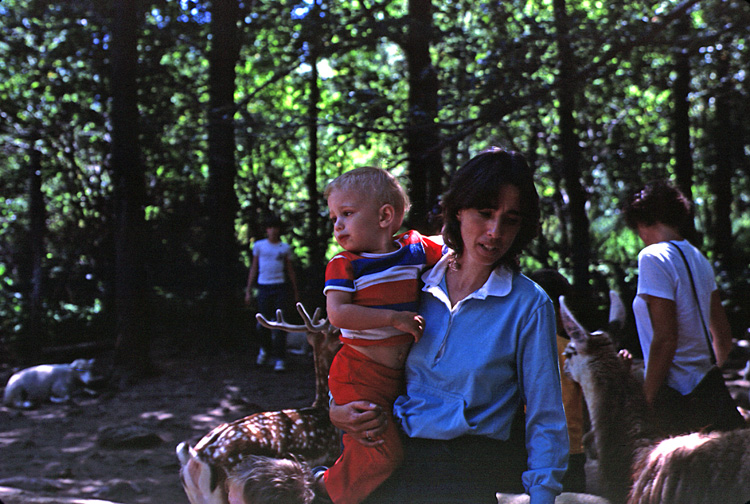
(574, 329)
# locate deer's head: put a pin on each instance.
(202, 482)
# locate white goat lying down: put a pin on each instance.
(636, 464)
(56, 383)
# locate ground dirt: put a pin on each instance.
(54, 454)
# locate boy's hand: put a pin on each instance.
(410, 323)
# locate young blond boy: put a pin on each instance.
(371, 295)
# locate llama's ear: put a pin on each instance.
(616, 311)
(574, 329)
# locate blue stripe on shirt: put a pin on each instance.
(412, 254)
(341, 283)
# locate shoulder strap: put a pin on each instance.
(700, 312)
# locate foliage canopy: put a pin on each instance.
(324, 86)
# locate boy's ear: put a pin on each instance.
(386, 215)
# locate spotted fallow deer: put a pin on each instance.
(305, 434)
(637, 465)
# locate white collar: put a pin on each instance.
(498, 284)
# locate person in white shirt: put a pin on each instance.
(681, 323)
(273, 266)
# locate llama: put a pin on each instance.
(637, 465)
(302, 433)
(615, 325)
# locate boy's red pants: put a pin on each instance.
(361, 469)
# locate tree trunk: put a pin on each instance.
(422, 135)
(30, 346)
(681, 122)
(317, 234)
(580, 252)
(132, 345)
(721, 181)
(680, 92)
(222, 203)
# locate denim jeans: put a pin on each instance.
(270, 298)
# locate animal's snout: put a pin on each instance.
(86, 376)
(570, 350)
(87, 372)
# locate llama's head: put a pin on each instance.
(584, 347)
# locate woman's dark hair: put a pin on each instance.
(658, 201)
(477, 185)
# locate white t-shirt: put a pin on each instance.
(662, 273)
(271, 260)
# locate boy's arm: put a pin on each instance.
(344, 314)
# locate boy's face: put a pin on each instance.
(356, 221)
(273, 233)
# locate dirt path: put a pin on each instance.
(53, 455)
(55, 452)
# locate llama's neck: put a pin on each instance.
(619, 421)
(619, 399)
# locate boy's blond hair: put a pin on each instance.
(378, 184)
(270, 480)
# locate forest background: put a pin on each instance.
(143, 143)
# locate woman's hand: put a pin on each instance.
(362, 420)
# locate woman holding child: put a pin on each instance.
(482, 410)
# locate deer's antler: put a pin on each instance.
(316, 324)
(313, 325)
(280, 323)
(306, 433)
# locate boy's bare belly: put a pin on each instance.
(389, 356)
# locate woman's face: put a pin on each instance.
(488, 233)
